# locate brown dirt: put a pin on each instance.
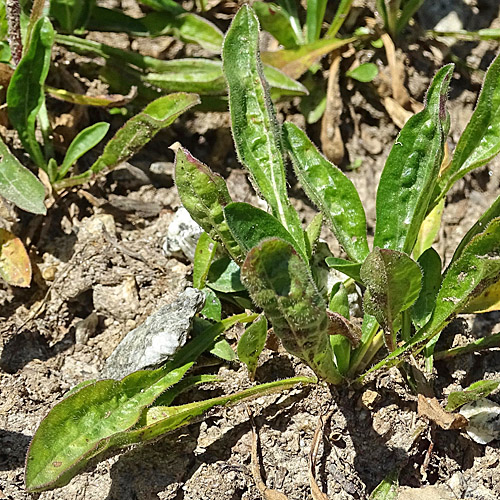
(81, 269)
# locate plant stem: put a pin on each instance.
(478, 345)
(13, 13)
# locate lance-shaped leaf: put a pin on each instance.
(83, 142)
(393, 281)
(256, 132)
(477, 390)
(421, 311)
(25, 95)
(276, 20)
(295, 62)
(204, 194)
(82, 425)
(476, 269)
(492, 213)
(252, 343)
(159, 420)
(480, 141)
(71, 14)
(137, 132)
(411, 171)
(203, 258)
(349, 268)
(18, 184)
(332, 192)
(314, 19)
(280, 283)
(250, 225)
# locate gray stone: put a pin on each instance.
(157, 339)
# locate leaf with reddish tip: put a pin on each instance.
(15, 265)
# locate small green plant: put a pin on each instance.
(397, 13)
(407, 301)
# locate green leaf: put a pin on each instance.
(295, 62)
(411, 171)
(339, 300)
(480, 141)
(365, 72)
(141, 128)
(421, 311)
(25, 95)
(410, 7)
(185, 26)
(250, 225)
(313, 232)
(71, 14)
(203, 257)
(280, 282)
(256, 132)
(223, 350)
(212, 308)
(339, 303)
(388, 488)
(475, 391)
(314, 18)
(276, 20)
(332, 192)
(167, 398)
(158, 420)
(83, 424)
(18, 184)
(340, 16)
(429, 230)
(252, 343)
(83, 142)
(492, 213)
(279, 81)
(349, 268)
(224, 276)
(204, 194)
(393, 281)
(476, 269)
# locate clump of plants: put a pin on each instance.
(408, 297)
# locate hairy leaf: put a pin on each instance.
(256, 132)
(204, 194)
(280, 283)
(25, 95)
(250, 225)
(393, 281)
(477, 390)
(82, 425)
(18, 184)
(203, 257)
(480, 141)
(411, 171)
(141, 128)
(252, 343)
(332, 192)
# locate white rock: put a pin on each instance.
(484, 420)
(182, 235)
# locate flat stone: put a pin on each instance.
(157, 339)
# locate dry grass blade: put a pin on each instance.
(331, 139)
(267, 493)
(316, 492)
(397, 69)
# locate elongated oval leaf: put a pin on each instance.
(393, 282)
(332, 192)
(276, 20)
(15, 264)
(82, 425)
(25, 94)
(224, 276)
(204, 194)
(256, 132)
(314, 19)
(410, 173)
(18, 184)
(252, 343)
(480, 141)
(295, 62)
(141, 128)
(477, 390)
(83, 142)
(280, 283)
(203, 257)
(250, 225)
(421, 311)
